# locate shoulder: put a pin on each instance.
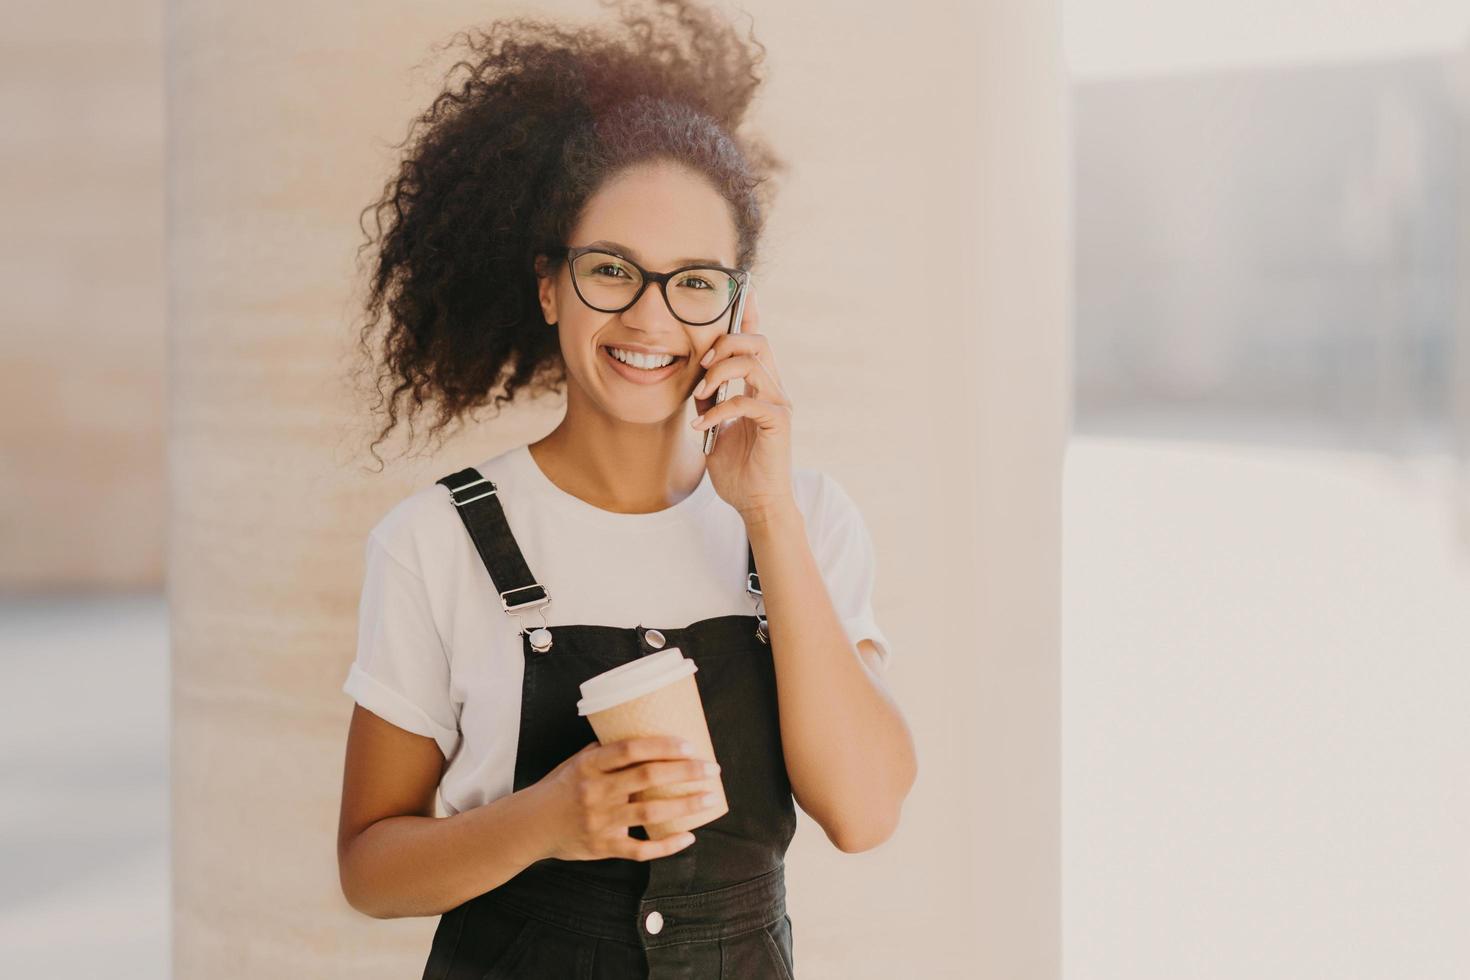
(420, 528)
(822, 499)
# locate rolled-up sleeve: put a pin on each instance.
(844, 552)
(401, 671)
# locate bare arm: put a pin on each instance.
(394, 856)
(848, 750)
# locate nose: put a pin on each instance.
(652, 311)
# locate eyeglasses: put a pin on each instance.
(611, 283)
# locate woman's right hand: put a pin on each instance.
(585, 799)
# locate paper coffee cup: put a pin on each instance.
(656, 695)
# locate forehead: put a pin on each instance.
(663, 214)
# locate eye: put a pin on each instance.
(693, 279)
(598, 269)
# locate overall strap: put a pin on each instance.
(478, 503)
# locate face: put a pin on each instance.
(666, 217)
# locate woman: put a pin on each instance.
(580, 213)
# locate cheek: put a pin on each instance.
(575, 336)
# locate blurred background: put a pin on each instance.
(1266, 532)
(1266, 526)
(84, 652)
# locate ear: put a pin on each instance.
(546, 288)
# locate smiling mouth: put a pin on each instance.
(639, 372)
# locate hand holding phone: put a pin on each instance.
(713, 431)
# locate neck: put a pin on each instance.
(621, 467)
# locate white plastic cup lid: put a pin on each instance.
(633, 679)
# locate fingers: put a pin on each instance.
(631, 751)
(641, 813)
(727, 345)
(612, 773)
(766, 415)
(640, 777)
(758, 378)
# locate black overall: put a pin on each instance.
(715, 909)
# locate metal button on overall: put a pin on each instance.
(714, 910)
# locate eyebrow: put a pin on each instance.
(632, 254)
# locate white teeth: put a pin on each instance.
(647, 362)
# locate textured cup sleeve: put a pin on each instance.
(401, 672)
(844, 552)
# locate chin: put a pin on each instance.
(633, 417)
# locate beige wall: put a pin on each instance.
(82, 334)
(937, 138)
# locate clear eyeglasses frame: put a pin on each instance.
(573, 253)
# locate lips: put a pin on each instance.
(638, 375)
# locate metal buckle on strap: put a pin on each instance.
(753, 583)
(530, 604)
(461, 503)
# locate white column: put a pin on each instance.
(1018, 389)
(931, 179)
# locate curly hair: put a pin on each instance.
(501, 165)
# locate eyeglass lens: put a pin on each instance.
(608, 283)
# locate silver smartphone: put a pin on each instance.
(714, 430)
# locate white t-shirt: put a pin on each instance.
(438, 656)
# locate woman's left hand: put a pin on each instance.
(750, 465)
